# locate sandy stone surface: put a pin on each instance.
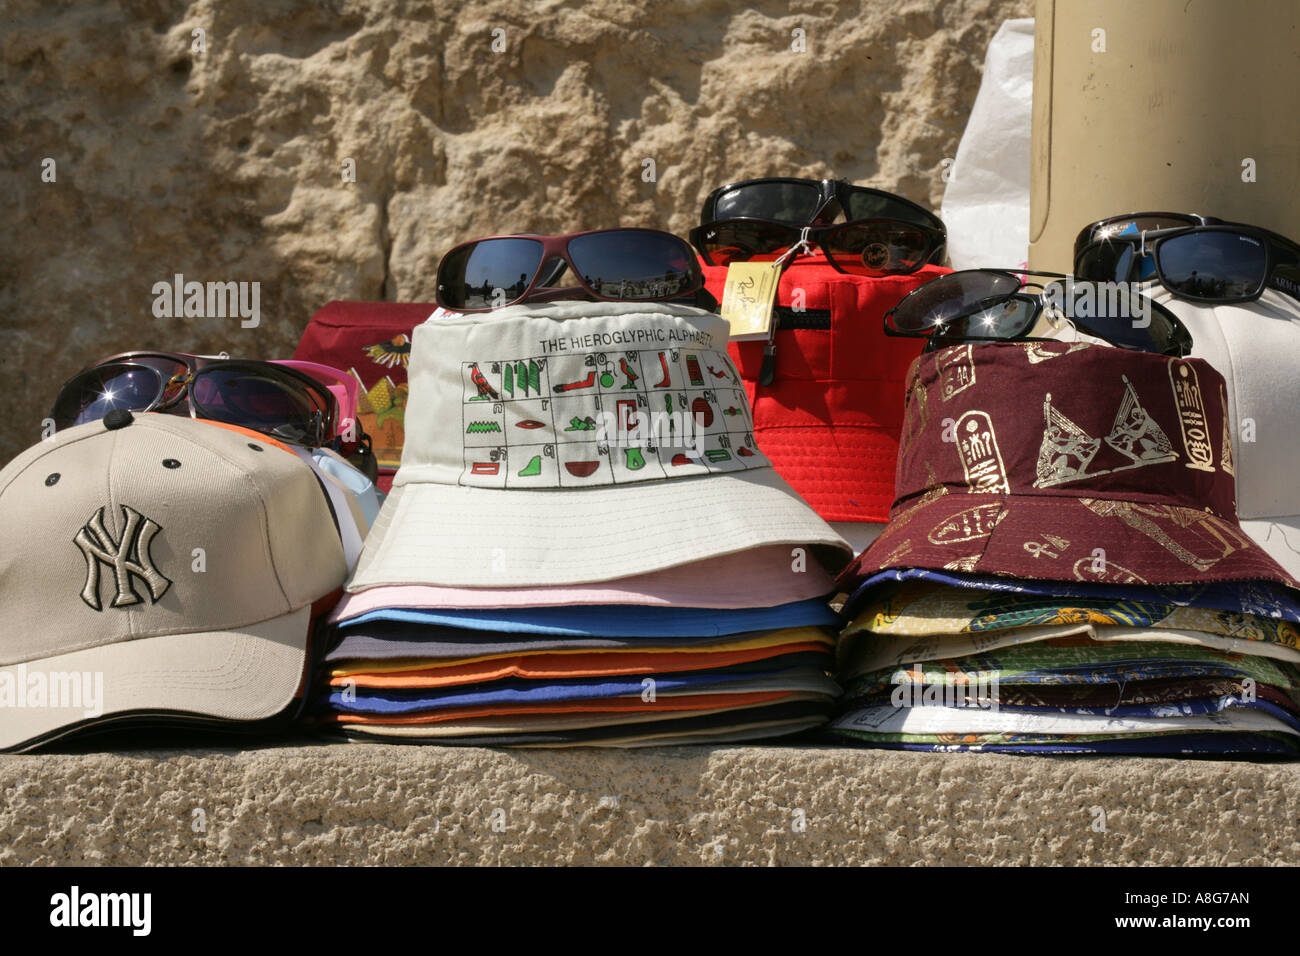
(226, 164)
(385, 804)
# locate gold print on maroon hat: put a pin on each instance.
(1106, 572)
(933, 492)
(1225, 448)
(1037, 352)
(968, 525)
(1044, 547)
(900, 552)
(1199, 531)
(916, 414)
(967, 563)
(1191, 415)
(980, 458)
(1136, 435)
(955, 369)
(1066, 451)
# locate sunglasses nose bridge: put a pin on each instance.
(828, 206)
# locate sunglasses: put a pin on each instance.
(867, 247)
(273, 399)
(1197, 258)
(990, 305)
(611, 265)
(807, 202)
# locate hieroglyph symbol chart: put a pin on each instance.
(602, 418)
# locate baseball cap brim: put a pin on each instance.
(431, 533)
(1061, 538)
(845, 472)
(243, 675)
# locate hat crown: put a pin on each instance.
(163, 526)
(1067, 419)
(574, 395)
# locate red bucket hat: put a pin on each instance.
(1066, 462)
(830, 420)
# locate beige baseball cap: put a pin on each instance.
(578, 442)
(161, 567)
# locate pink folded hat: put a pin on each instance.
(762, 577)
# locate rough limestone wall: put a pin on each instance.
(226, 164)
(385, 804)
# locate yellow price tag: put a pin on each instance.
(748, 297)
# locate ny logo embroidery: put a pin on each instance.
(127, 556)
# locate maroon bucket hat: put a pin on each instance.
(1066, 462)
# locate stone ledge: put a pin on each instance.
(339, 803)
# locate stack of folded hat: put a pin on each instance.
(1071, 579)
(583, 545)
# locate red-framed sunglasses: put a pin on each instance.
(611, 265)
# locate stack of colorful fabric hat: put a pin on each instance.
(583, 545)
(1071, 578)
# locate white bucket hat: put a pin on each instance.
(558, 444)
(1255, 346)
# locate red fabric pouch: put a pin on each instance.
(372, 342)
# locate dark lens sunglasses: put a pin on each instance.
(807, 202)
(272, 399)
(1136, 223)
(991, 305)
(1205, 260)
(866, 247)
(611, 265)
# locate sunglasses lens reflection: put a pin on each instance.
(634, 264)
(865, 205)
(258, 399)
(1006, 320)
(1213, 265)
(94, 393)
(793, 203)
(725, 241)
(958, 294)
(878, 248)
(487, 274)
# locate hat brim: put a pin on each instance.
(758, 578)
(845, 472)
(1063, 538)
(247, 675)
(544, 722)
(428, 533)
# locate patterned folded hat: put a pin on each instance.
(1066, 462)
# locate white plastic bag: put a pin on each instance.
(986, 204)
